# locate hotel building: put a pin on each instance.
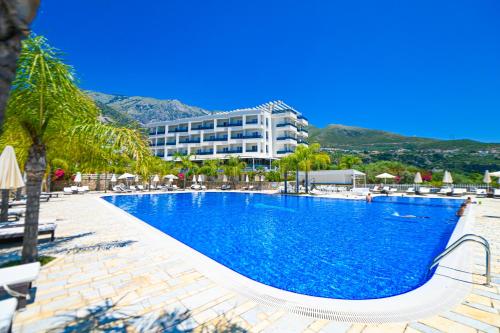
(257, 135)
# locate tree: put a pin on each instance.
(186, 164)
(233, 168)
(349, 161)
(307, 157)
(210, 168)
(15, 18)
(47, 111)
(285, 165)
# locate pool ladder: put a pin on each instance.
(467, 238)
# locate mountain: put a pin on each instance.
(374, 145)
(127, 109)
(358, 138)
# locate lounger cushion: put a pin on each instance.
(7, 310)
(18, 231)
(19, 274)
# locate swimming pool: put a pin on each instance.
(331, 248)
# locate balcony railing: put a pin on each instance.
(171, 143)
(247, 136)
(303, 129)
(178, 130)
(224, 138)
(202, 127)
(157, 144)
(285, 151)
(252, 150)
(286, 124)
(287, 137)
(190, 141)
(230, 151)
(249, 122)
(238, 123)
(304, 142)
(204, 152)
(301, 117)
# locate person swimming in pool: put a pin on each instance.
(409, 216)
(369, 197)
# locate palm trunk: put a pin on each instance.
(98, 182)
(297, 180)
(286, 182)
(4, 215)
(105, 182)
(35, 168)
(307, 181)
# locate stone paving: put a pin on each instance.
(111, 274)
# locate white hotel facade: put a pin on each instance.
(257, 135)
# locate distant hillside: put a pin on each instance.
(357, 138)
(124, 109)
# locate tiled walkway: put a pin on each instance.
(111, 273)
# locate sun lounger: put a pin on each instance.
(7, 311)
(411, 190)
(67, 190)
(225, 187)
(140, 187)
(496, 193)
(424, 190)
(196, 187)
(376, 189)
(16, 281)
(17, 231)
(445, 191)
(481, 192)
(51, 194)
(458, 191)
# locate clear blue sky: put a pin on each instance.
(425, 68)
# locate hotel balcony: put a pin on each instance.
(215, 138)
(285, 151)
(202, 127)
(196, 140)
(233, 124)
(247, 136)
(204, 152)
(178, 130)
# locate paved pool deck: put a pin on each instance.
(111, 273)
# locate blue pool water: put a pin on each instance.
(322, 247)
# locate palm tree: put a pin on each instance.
(15, 18)
(47, 110)
(185, 162)
(233, 168)
(285, 165)
(349, 161)
(210, 168)
(309, 157)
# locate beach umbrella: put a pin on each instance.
(194, 179)
(418, 178)
(113, 178)
(10, 175)
(224, 179)
(256, 178)
(385, 176)
(171, 177)
(447, 179)
(78, 178)
(126, 176)
(262, 178)
(495, 174)
(487, 177)
(156, 179)
(200, 178)
(247, 180)
(136, 178)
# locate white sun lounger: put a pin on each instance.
(7, 311)
(445, 191)
(496, 193)
(17, 231)
(16, 280)
(424, 190)
(481, 192)
(459, 191)
(411, 190)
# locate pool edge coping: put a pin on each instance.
(445, 289)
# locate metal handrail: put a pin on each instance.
(468, 238)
